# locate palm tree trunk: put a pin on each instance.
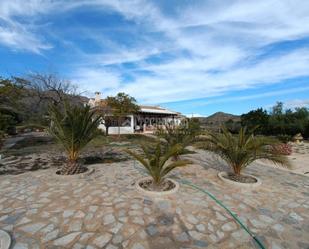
(236, 169)
(71, 167)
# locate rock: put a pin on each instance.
(258, 224)
(138, 220)
(68, 213)
(50, 236)
(108, 219)
(147, 201)
(200, 228)
(152, 230)
(241, 235)
(67, 239)
(93, 209)
(192, 219)
(78, 246)
(19, 245)
(147, 210)
(117, 239)
(32, 228)
(111, 247)
(48, 228)
(115, 229)
(164, 205)
(201, 243)
(230, 226)
(102, 240)
(75, 226)
(137, 246)
(79, 214)
(278, 227)
(220, 216)
(166, 220)
(196, 235)
(295, 216)
(135, 206)
(266, 218)
(210, 227)
(183, 237)
(85, 237)
(274, 245)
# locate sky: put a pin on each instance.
(195, 57)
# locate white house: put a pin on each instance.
(145, 121)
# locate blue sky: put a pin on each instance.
(196, 57)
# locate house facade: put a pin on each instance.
(146, 120)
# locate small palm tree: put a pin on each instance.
(241, 150)
(155, 161)
(74, 128)
(183, 135)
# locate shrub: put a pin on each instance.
(284, 138)
(282, 149)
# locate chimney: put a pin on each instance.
(97, 97)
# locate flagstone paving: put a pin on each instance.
(103, 210)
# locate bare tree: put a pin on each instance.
(51, 88)
(44, 89)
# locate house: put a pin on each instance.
(144, 121)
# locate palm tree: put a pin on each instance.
(74, 128)
(155, 161)
(242, 149)
(183, 135)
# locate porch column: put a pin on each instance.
(132, 123)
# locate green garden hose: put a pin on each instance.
(190, 184)
(228, 210)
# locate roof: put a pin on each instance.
(143, 108)
(157, 109)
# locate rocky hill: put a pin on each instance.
(216, 120)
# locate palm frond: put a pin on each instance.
(242, 149)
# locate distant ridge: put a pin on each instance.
(216, 120)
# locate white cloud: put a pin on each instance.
(222, 41)
(176, 83)
(214, 45)
(292, 104)
(22, 35)
(91, 80)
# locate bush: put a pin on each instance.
(284, 138)
(282, 149)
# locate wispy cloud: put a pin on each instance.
(195, 50)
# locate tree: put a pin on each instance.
(155, 161)
(241, 150)
(121, 105)
(74, 128)
(256, 118)
(44, 89)
(277, 109)
(107, 118)
(51, 88)
(11, 94)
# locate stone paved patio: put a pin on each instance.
(103, 210)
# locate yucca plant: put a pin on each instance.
(74, 127)
(242, 149)
(155, 161)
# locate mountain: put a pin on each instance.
(216, 120)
